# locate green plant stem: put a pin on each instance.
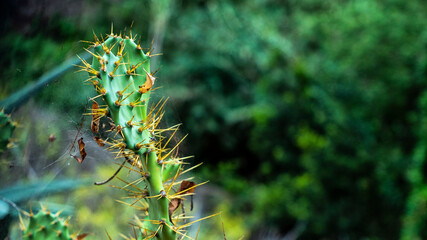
(158, 205)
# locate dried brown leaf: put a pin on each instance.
(99, 141)
(81, 150)
(94, 126)
(149, 81)
(52, 138)
(78, 159)
(173, 205)
(82, 236)
(185, 187)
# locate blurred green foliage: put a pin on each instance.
(304, 111)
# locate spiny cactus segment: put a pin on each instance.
(48, 226)
(7, 126)
(120, 73)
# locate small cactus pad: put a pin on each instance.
(47, 226)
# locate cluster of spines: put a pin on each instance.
(120, 73)
(47, 226)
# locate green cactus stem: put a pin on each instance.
(120, 73)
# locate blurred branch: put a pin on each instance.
(19, 193)
(18, 98)
(161, 14)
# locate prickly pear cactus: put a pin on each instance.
(120, 73)
(7, 126)
(46, 226)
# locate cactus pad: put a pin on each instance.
(47, 226)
